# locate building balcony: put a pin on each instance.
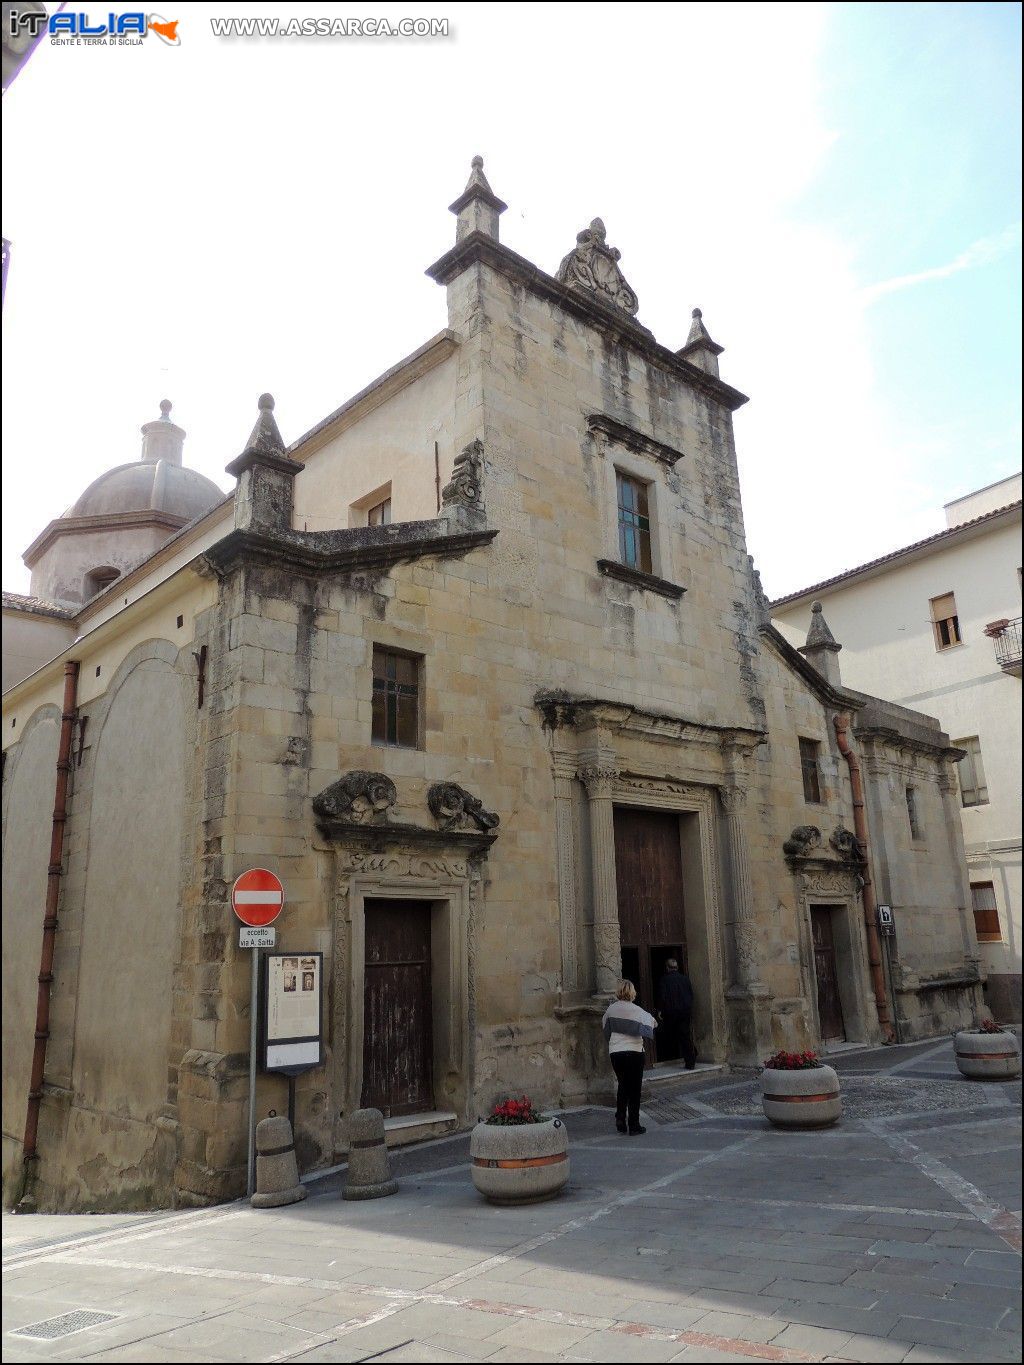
(1005, 636)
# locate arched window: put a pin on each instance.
(98, 579)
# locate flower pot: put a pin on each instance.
(807, 1098)
(987, 1056)
(519, 1163)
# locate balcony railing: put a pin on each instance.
(1006, 636)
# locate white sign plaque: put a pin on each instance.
(293, 1011)
(263, 937)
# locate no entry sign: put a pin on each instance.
(257, 897)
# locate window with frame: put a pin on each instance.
(396, 698)
(913, 814)
(945, 621)
(634, 516)
(986, 912)
(973, 789)
(809, 751)
(379, 514)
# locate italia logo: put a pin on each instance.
(70, 25)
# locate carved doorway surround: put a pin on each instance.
(824, 885)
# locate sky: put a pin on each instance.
(836, 186)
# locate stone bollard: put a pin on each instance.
(277, 1171)
(369, 1176)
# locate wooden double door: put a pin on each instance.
(649, 882)
(397, 1008)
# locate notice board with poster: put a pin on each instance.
(292, 1012)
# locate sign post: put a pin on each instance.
(257, 898)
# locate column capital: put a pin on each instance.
(733, 798)
(599, 779)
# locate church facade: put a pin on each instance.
(480, 667)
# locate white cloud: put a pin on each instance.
(982, 252)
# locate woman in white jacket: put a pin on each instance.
(626, 1026)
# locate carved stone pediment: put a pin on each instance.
(357, 798)
(593, 268)
(453, 807)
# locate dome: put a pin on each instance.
(160, 486)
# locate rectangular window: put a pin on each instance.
(973, 791)
(945, 622)
(916, 831)
(380, 514)
(396, 698)
(986, 912)
(634, 523)
(809, 767)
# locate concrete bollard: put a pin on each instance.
(369, 1176)
(277, 1171)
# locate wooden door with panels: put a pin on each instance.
(830, 1004)
(397, 1008)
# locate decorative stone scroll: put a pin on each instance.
(847, 845)
(592, 268)
(466, 486)
(453, 807)
(801, 841)
(360, 798)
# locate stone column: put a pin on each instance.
(568, 900)
(599, 780)
(748, 996)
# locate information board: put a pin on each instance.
(292, 1011)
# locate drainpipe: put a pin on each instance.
(860, 828)
(54, 873)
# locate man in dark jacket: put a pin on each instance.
(675, 1005)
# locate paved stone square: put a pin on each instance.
(895, 1236)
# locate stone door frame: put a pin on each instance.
(450, 885)
(836, 888)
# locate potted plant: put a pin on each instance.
(518, 1155)
(987, 1052)
(799, 1091)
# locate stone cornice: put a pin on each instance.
(379, 838)
(896, 739)
(362, 547)
(636, 578)
(819, 685)
(109, 521)
(566, 710)
(477, 248)
(632, 439)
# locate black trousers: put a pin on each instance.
(675, 1029)
(629, 1072)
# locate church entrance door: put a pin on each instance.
(397, 1008)
(649, 880)
(830, 1005)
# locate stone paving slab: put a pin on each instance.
(889, 1237)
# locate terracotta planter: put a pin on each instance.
(519, 1163)
(801, 1099)
(987, 1056)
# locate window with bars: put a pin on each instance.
(973, 789)
(913, 814)
(396, 698)
(945, 621)
(809, 750)
(379, 514)
(986, 912)
(634, 523)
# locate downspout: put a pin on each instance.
(860, 828)
(54, 872)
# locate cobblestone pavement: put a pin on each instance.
(894, 1236)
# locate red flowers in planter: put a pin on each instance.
(990, 1026)
(509, 1112)
(792, 1061)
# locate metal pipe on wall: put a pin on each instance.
(860, 828)
(54, 872)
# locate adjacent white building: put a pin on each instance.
(937, 626)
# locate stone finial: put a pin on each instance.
(266, 474)
(161, 439)
(462, 499)
(700, 349)
(821, 647)
(477, 208)
(592, 267)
